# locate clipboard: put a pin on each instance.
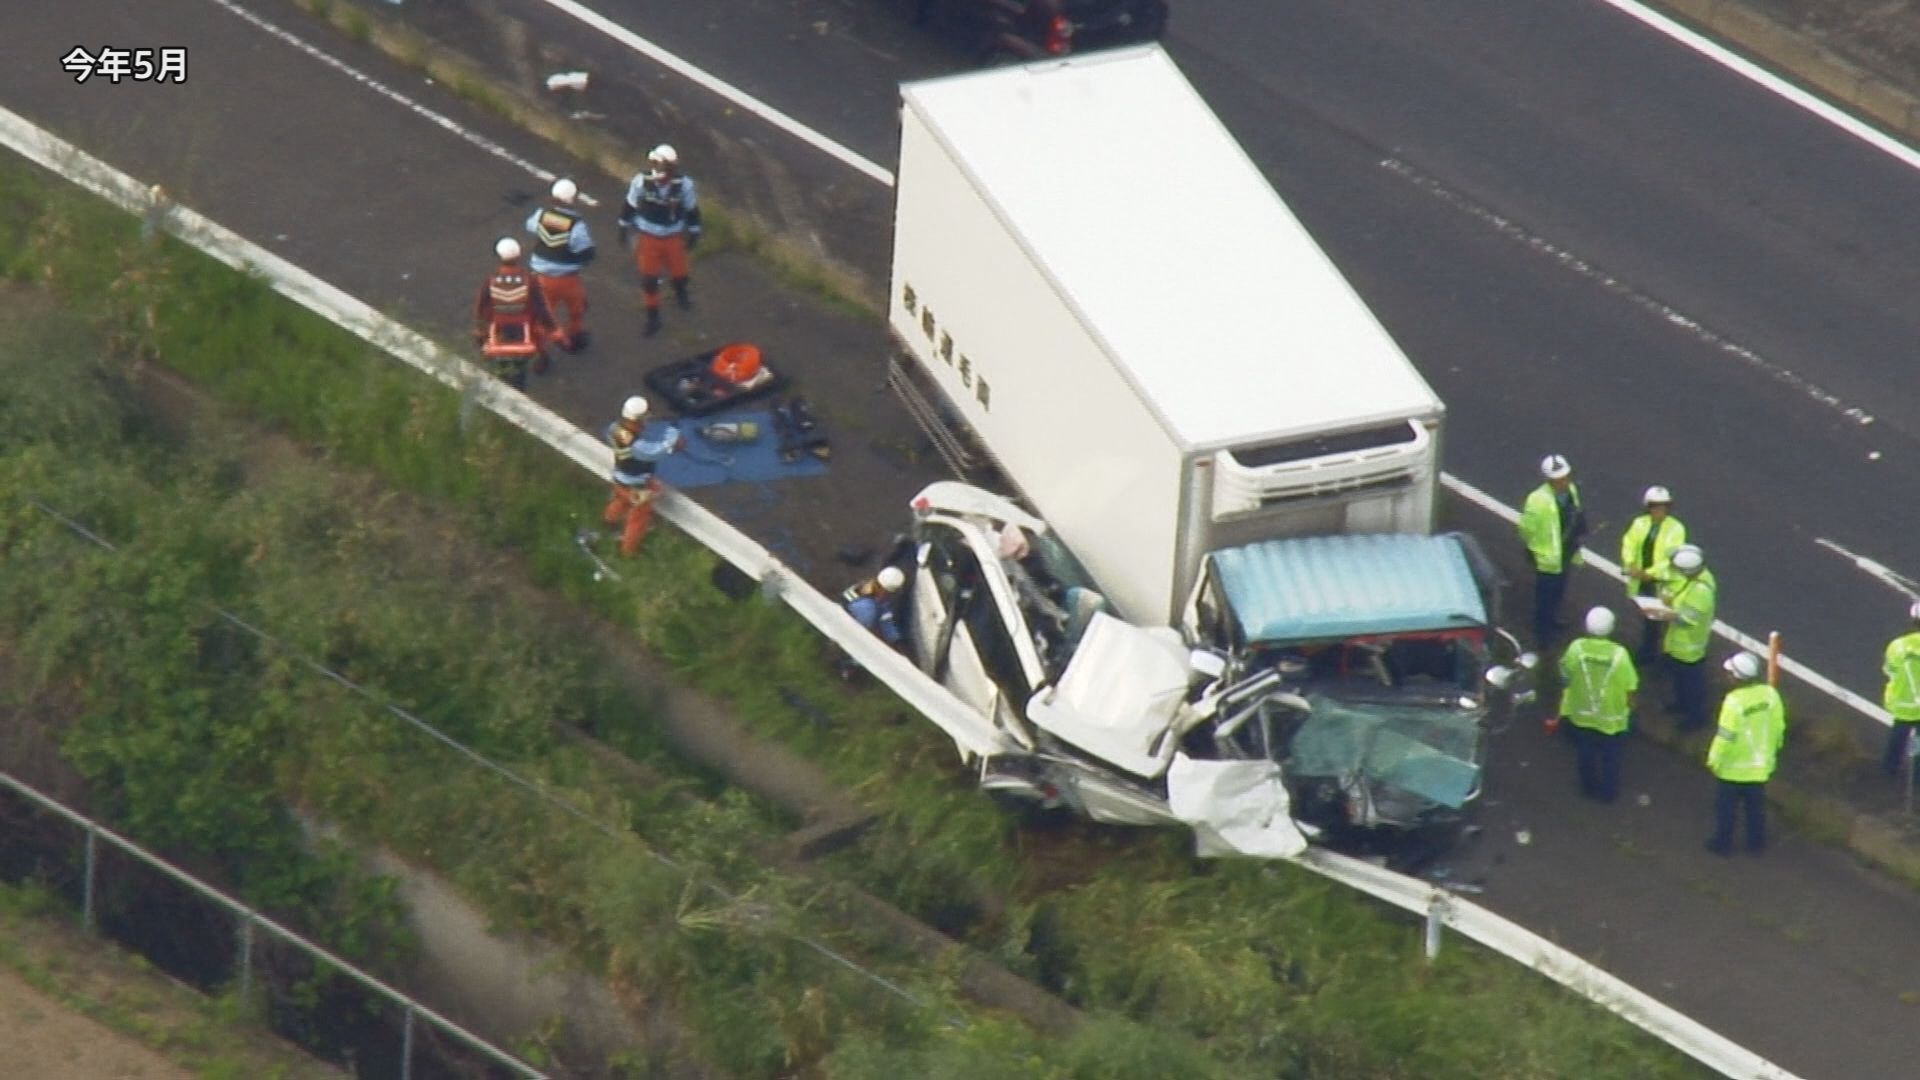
(1654, 608)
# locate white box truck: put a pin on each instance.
(1150, 344)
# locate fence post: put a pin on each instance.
(1435, 906)
(246, 955)
(406, 1046)
(86, 885)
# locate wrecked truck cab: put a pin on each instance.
(1100, 713)
(1390, 642)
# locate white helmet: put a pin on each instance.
(1600, 622)
(663, 155)
(507, 248)
(1688, 558)
(1657, 495)
(891, 578)
(634, 409)
(1555, 467)
(1744, 666)
(1914, 611)
(565, 190)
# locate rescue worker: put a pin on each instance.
(1902, 665)
(873, 604)
(1646, 553)
(1693, 594)
(1552, 524)
(636, 457)
(665, 209)
(562, 247)
(1753, 724)
(511, 319)
(1598, 681)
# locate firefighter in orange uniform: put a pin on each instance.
(665, 209)
(636, 457)
(511, 319)
(562, 247)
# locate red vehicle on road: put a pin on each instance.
(1019, 30)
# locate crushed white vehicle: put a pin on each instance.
(1337, 685)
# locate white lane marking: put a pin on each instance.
(1567, 259)
(884, 176)
(1511, 940)
(1862, 705)
(447, 123)
(1888, 576)
(1772, 83)
(725, 90)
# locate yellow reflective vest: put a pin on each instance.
(1671, 535)
(1753, 724)
(1598, 680)
(1903, 677)
(1693, 600)
(1542, 530)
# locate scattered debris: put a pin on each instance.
(567, 80)
(585, 539)
(1523, 837)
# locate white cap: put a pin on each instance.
(664, 155)
(1600, 622)
(634, 409)
(507, 248)
(1555, 467)
(565, 190)
(1688, 558)
(891, 578)
(1657, 494)
(1744, 666)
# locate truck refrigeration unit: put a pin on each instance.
(1114, 300)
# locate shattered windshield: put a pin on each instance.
(1429, 752)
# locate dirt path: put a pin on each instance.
(46, 1039)
(74, 1007)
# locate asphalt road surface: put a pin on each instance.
(1554, 127)
(1591, 240)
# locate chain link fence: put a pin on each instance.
(216, 944)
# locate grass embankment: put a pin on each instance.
(1194, 969)
(213, 1039)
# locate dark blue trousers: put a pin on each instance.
(1690, 692)
(1897, 740)
(1732, 795)
(1599, 757)
(1547, 591)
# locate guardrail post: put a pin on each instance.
(406, 1047)
(246, 955)
(86, 884)
(1436, 906)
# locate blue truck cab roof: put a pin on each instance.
(1324, 588)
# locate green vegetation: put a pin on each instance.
(120, 992)
(204, 740)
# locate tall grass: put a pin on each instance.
(1188, 968)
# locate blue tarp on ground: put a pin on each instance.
(705, 463)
